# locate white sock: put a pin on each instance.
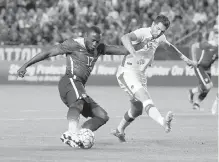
(73, 126)
(124, 123)
(153, 112)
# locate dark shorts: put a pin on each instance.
(72, 92)
(204, 76)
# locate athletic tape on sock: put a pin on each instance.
(128, 116)
(148, 104)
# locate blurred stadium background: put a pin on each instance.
(32, 115)
(28, 26)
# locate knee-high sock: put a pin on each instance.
(73, 116)
(153, 112)
(126, 120)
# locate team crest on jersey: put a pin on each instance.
(150, 43)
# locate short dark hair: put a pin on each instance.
(94, 29)
(163, 19)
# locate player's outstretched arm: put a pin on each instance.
(127, 42)
(39, 57)
(42, 56)
(168, 46)
(59, 49)
(115, 50)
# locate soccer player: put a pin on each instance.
(214, 108)
(205, 53)
(142, 44)
(81, 55)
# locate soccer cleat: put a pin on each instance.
(65, 136)
(167, 121)
(119, 135)
(191, 96)
(196, 106)
(71, 139)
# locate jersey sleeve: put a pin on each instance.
(67, 46)
(141, 34)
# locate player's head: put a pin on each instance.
(92, 37)
(159, 26)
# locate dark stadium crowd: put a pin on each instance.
(46, 22)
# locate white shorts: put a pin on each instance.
(131, 80)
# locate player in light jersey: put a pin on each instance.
(81, 56)
(205, 53)
(142, 44)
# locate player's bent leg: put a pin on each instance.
(73, 115)
(143, 95)
(205, 83)
(70, 137)
(203, 92)
(129, 117)
(98, 116)
(69, 96)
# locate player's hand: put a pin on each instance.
(21, 72)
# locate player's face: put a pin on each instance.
(157, 29)
(92, 40)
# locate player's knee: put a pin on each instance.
(137, 107)
(137, 113)
(104, 118)
(142, 95)
(203, 95)
(206, 88)
(76, 105)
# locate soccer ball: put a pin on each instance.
(86, 136)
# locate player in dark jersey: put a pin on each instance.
(81, 55)
(205, 54)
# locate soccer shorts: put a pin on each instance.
(131, 80)
(204, 76)
(73, 91)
